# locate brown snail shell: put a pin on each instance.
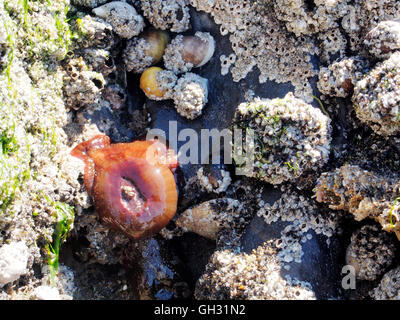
(157, 83)
(187, 52)
(146, 50)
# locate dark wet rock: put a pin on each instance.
(153, 271)
(319, 266)
(194, 251)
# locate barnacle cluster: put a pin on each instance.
(273, 36)
(99, 60)
(231, 273)
(259, 40)
(376, 97)
(95, 33)
(303, 216)
(389, 287)
(357, 21)
(340, 77)
(124, 19)
(382, 40)
(158, 84)
(211, 183)
(93, 69)
(190, 95)
(291, 137)
(370, 252)
(167, 14)
(83, 86)
(362, 193)
(255, 276)
(305, 18)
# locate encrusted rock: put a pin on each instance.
(167, 14)
(115, 95)
(124, 19)
(382, 40)
(339, 78)
(260, 41)
(237, 275)
(290, 138)
(389, 287)
(190, 95)
(303, 17)
(82, 86)
(95, 32)
(362, 193)
(302, 216)
(377, 97)
(370, 252)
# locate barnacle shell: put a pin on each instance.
(190, 95)
(157, 83)
(187, 52)
(131, 184)
(377, 97)
(146, 50)
(124, 19)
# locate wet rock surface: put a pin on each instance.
(179, 263)
(320, 265)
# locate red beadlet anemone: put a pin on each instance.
(131, 184)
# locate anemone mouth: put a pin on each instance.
(131, 196)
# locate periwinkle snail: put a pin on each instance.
(132, 184)
(190, 51)
(145, 50)
(158, 84)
